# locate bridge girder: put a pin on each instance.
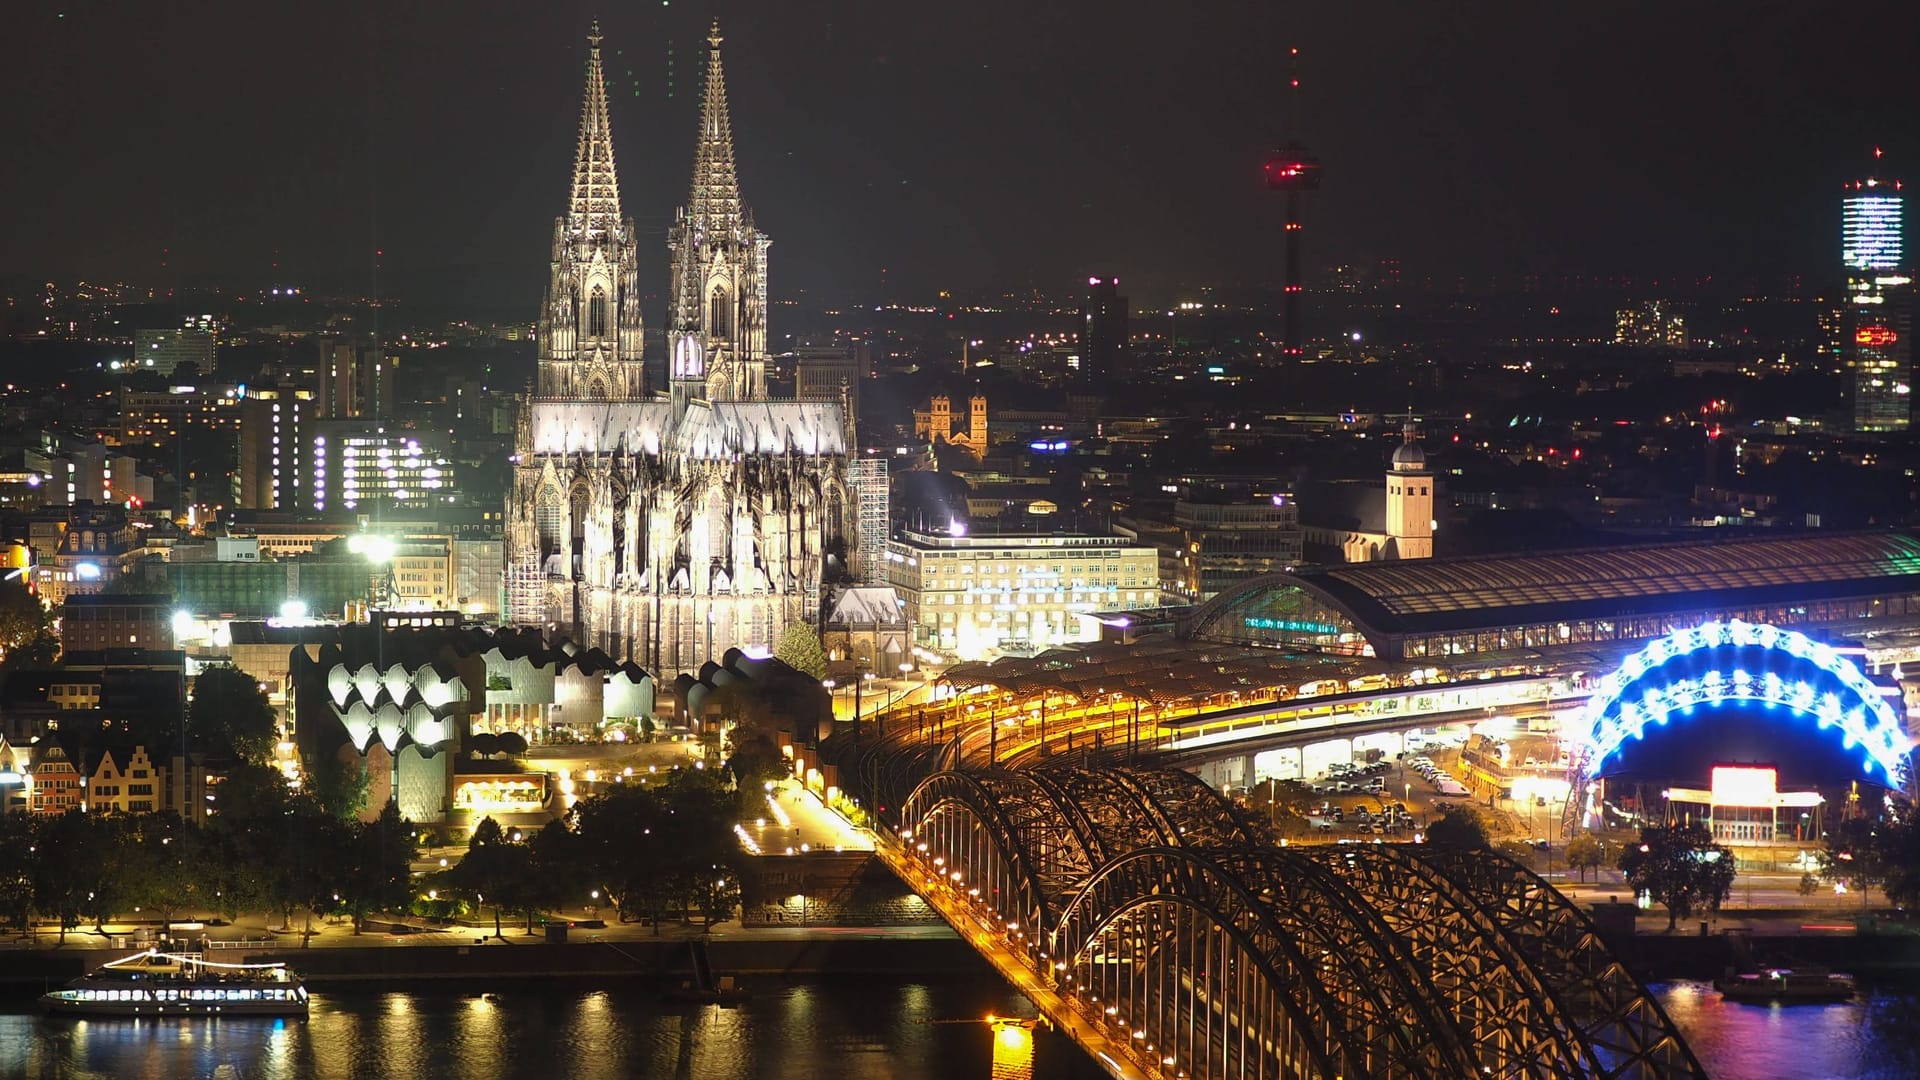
(1159, 905)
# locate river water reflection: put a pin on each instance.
(831, 1030)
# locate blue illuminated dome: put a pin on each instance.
(1718, 665)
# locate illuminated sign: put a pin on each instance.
(1735, 785)
(1049, 446)
(1875, 336)
(1294, 625)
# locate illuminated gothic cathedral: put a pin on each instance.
(668, 527)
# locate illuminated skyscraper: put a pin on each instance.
(1104, 351)
(1879, 304)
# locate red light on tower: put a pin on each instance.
(1291, 168)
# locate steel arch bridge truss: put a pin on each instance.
(1170, 924)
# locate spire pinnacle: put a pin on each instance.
(595, 205)
(714, 203)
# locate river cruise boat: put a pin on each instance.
(153, 983)
(1785, 985)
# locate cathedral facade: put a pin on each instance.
(665, 526)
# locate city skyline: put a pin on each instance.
(1000, 149)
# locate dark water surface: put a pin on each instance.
(1875, 1038)
(846, 1029)
(831, 1030)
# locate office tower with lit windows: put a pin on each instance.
(1103, 332)
(1878, 305)
(273, 454)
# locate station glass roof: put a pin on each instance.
(1438, 594)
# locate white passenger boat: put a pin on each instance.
(153, 983)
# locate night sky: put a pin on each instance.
(976, 146)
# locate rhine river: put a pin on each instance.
(877, 1029)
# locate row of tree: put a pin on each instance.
(269, 848)
(654, 851)
(1679, 867)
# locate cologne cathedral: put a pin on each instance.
(667, 526)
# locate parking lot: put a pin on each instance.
(1391, 800)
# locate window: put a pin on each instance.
(597, 314)
(719, 315)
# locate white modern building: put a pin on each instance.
(971, 597)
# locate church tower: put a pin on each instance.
(590, 333)
(717, 315)
(667, 529)
(1409, 499)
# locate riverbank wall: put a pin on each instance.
(1658, 957)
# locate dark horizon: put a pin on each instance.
(992, 149)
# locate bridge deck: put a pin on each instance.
(1118, 1060)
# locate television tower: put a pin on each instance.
(1293, 170)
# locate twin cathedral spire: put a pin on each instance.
(590, 327)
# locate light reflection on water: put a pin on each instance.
(836, 1030)
(1875, 1038)
(843, 1030)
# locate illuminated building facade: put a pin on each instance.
(273, 430)
(937, 424)
(1228, 541)
(1105, 352)
(165, 350)
(402, 702)
(669, 528)
(1879, 305)
(1650, 324)
(153, 416)
(973, 596)
(1410, 520)
(351, 462)
(116, 621)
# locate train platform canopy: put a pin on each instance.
(1158, 670)
(1442, 609)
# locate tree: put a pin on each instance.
(511, 743)
(495, 872)
(167, 865)
(304, 859)
(1459, 827)
(253, 803)
(18, 854)
(1901, 850)
(378, 874)
(622, 833)
(559, 873)
(230, 711)
(1680, 867)
(26, 629)
(1586, 852)
(1859, 852)
(339, 785)
(800, 650)
(62, 887)
(483, 744)
(755, 759)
